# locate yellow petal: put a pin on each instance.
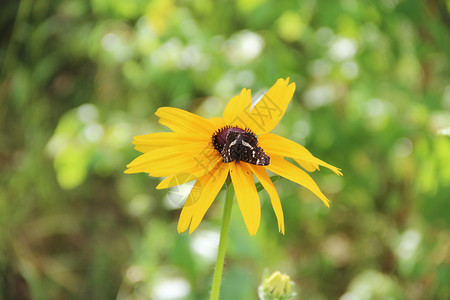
(218, 122)
(332, 168)
(176, 159)
(201, 197)
(167, 153)
(147, 142)
(177, 179)
(307, 165)
(246, 195)
(289, 171)
(274, 144)
(164, 167)
(210, 189)
(189, 207)
(184, 122)
(268, 111)
(237, 106)
(264, 179)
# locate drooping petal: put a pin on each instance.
(147, 142)
(268, 111)
(184, 122)
(209, 193)
(274, 144)
(199, 171)
(264, 179)
(175, 179)
(307, 165)
(189, 207)
(332, 168)
(289, 171)
(236, 107)
(246, 195)
(201, 197)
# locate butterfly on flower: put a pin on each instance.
(238, 144)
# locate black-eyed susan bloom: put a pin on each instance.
(238, 144)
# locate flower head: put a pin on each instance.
(237, 144)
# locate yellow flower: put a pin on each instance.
(238, 144)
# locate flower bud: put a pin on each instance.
(277, 286)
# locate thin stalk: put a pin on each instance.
(215, 289)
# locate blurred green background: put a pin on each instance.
(80, 78)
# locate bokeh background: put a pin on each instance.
(80, 78)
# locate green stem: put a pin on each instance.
(215, 289)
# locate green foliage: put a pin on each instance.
(79, 79)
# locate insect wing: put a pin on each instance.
(227, 154)
(261, 158)
(250, 138)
